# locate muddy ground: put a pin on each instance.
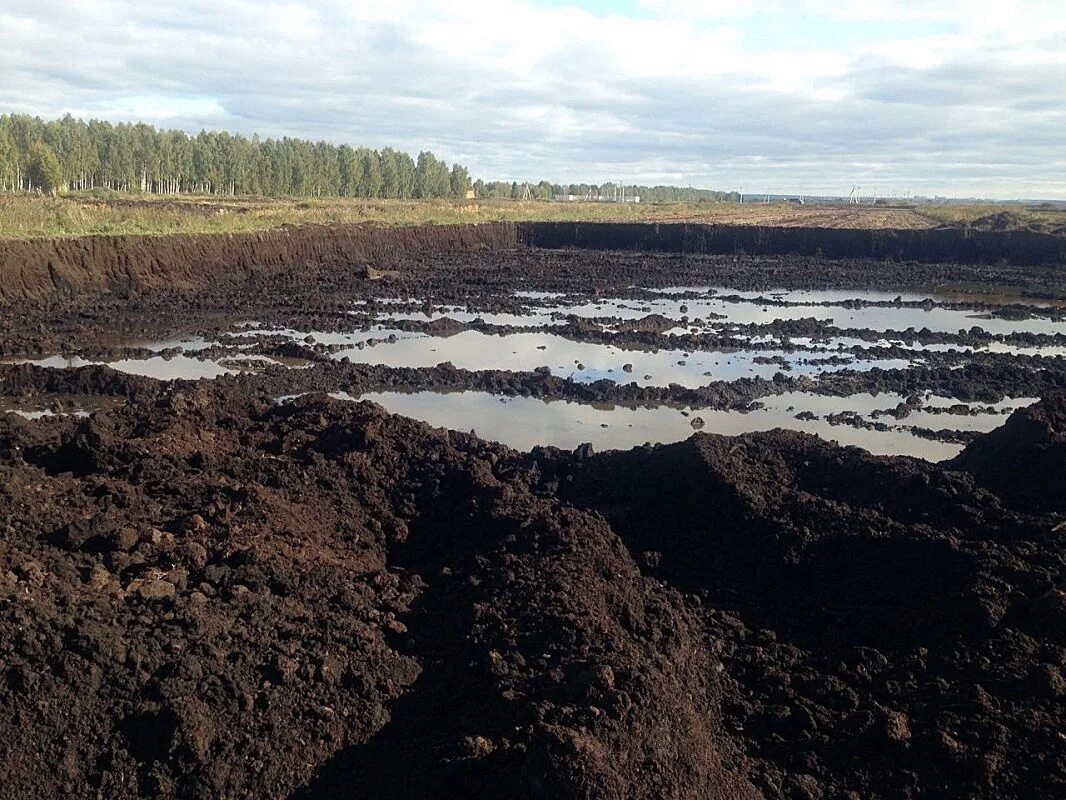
(483, 282)
(318, 297)
(208, 593)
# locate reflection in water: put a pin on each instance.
(523, 422)
(335, 338)
(586, 362)
(167, 369)
(539, 319)
(721, 307)
(841, 342)
(50, 405)
(876, 318)
(41, 413)
(171, 368)
(1001, 296)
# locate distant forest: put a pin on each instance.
(72, 155)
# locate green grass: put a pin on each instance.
(26, 217)
(102, 212)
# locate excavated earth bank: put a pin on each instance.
(42, 269)
(124, 264)
(948, 244)
(207, 593)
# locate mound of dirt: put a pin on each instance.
(1024, 461)
(28, 380)
(207, 595)
(1001, 221)
(885, 630)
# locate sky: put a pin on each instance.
(963, 98)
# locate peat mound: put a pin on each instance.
(1002, 221)
(886, 627)
(824, 543)
(27, 380)
(1010, 221)
(1024, 460)
(205, 594)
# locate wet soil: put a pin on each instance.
(205, 592)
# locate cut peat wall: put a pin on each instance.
(941, 245)
(47, 268)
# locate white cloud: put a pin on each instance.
(521, 90)
(701, 9)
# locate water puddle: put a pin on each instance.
(586, 362)
(535, 319)
(722, 312)
(717, 308)
(335, 338)
(869, 421)
(47, 405)
(871, 347)
(171, 368)
(523, 422)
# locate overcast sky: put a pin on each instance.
(954, 97)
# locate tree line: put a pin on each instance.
(72, 155)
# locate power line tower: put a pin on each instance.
(853, 197)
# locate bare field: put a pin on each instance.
(23, 217)
(788, 215)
